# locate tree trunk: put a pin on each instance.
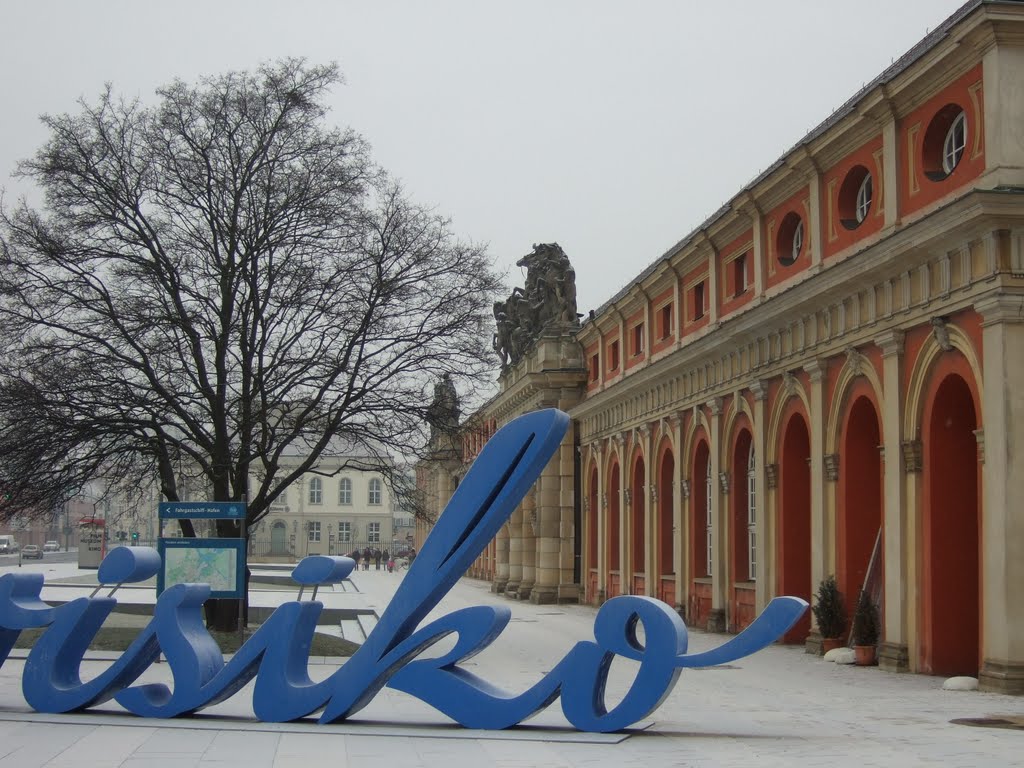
(222, 613)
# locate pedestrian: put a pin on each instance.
(387, 561)
(376, 557)
(366, 559)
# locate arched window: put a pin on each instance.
(709, 519)
(345, 491)
(751, 517)
(316, 491)
(374, 494)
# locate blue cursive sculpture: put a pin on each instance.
(276, 655)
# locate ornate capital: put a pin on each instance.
(604, 501)
(912, 455)
(771, 474)
(759, 390)
(815, 369)
(831, 466)
(627, 494)
(979, 435)
(715, 406)
(723, 482)
(685, 488)
(654, 493)
(891, 343)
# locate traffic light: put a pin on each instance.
(135, 536)
(121, 535)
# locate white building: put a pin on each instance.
(344, 505)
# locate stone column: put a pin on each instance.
(820, 532)
(650, 513)
(893, 651)
(1002, 534)
(719, 574)
(529, 537)
(500, 561)
(555, 528)
(602, 525)
(515, 552)
(678, 528)
(762, 594)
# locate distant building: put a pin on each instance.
(344, 505)
(825, 377)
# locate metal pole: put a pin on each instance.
(245, 569)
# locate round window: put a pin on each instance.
(855, 196)
(945, 141)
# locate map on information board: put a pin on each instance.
(217, 562)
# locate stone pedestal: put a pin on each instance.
(716, 620)
(894, 657)
(813, 643)
(1001, 677)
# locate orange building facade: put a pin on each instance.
(826, 377)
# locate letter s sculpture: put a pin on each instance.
(276, 655)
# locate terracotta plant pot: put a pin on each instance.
(830, 644)
(865, 655)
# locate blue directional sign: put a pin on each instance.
(209, 510)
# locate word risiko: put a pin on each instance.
(277, 653)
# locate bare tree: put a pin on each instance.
(212, 279)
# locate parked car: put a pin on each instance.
(51, 546)
(31, 551)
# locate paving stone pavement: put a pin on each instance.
(779, 707)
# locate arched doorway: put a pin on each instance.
(614, 586)
(951, 522)
(638, 529)
(665, 561)
(278, 539)
(860, 491)
(794, 519)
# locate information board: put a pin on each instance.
(217, 562)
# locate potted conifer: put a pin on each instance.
(866, 630)
(830, 614)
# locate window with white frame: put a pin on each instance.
(374, 493)
(316, 491)
(798, 242)
(953, 146)
(313, 527)
(751, 518)
(863, 204)
(709, 520)
(345, 491)
(344, 531)
(373, 533)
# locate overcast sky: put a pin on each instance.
(611, 127)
